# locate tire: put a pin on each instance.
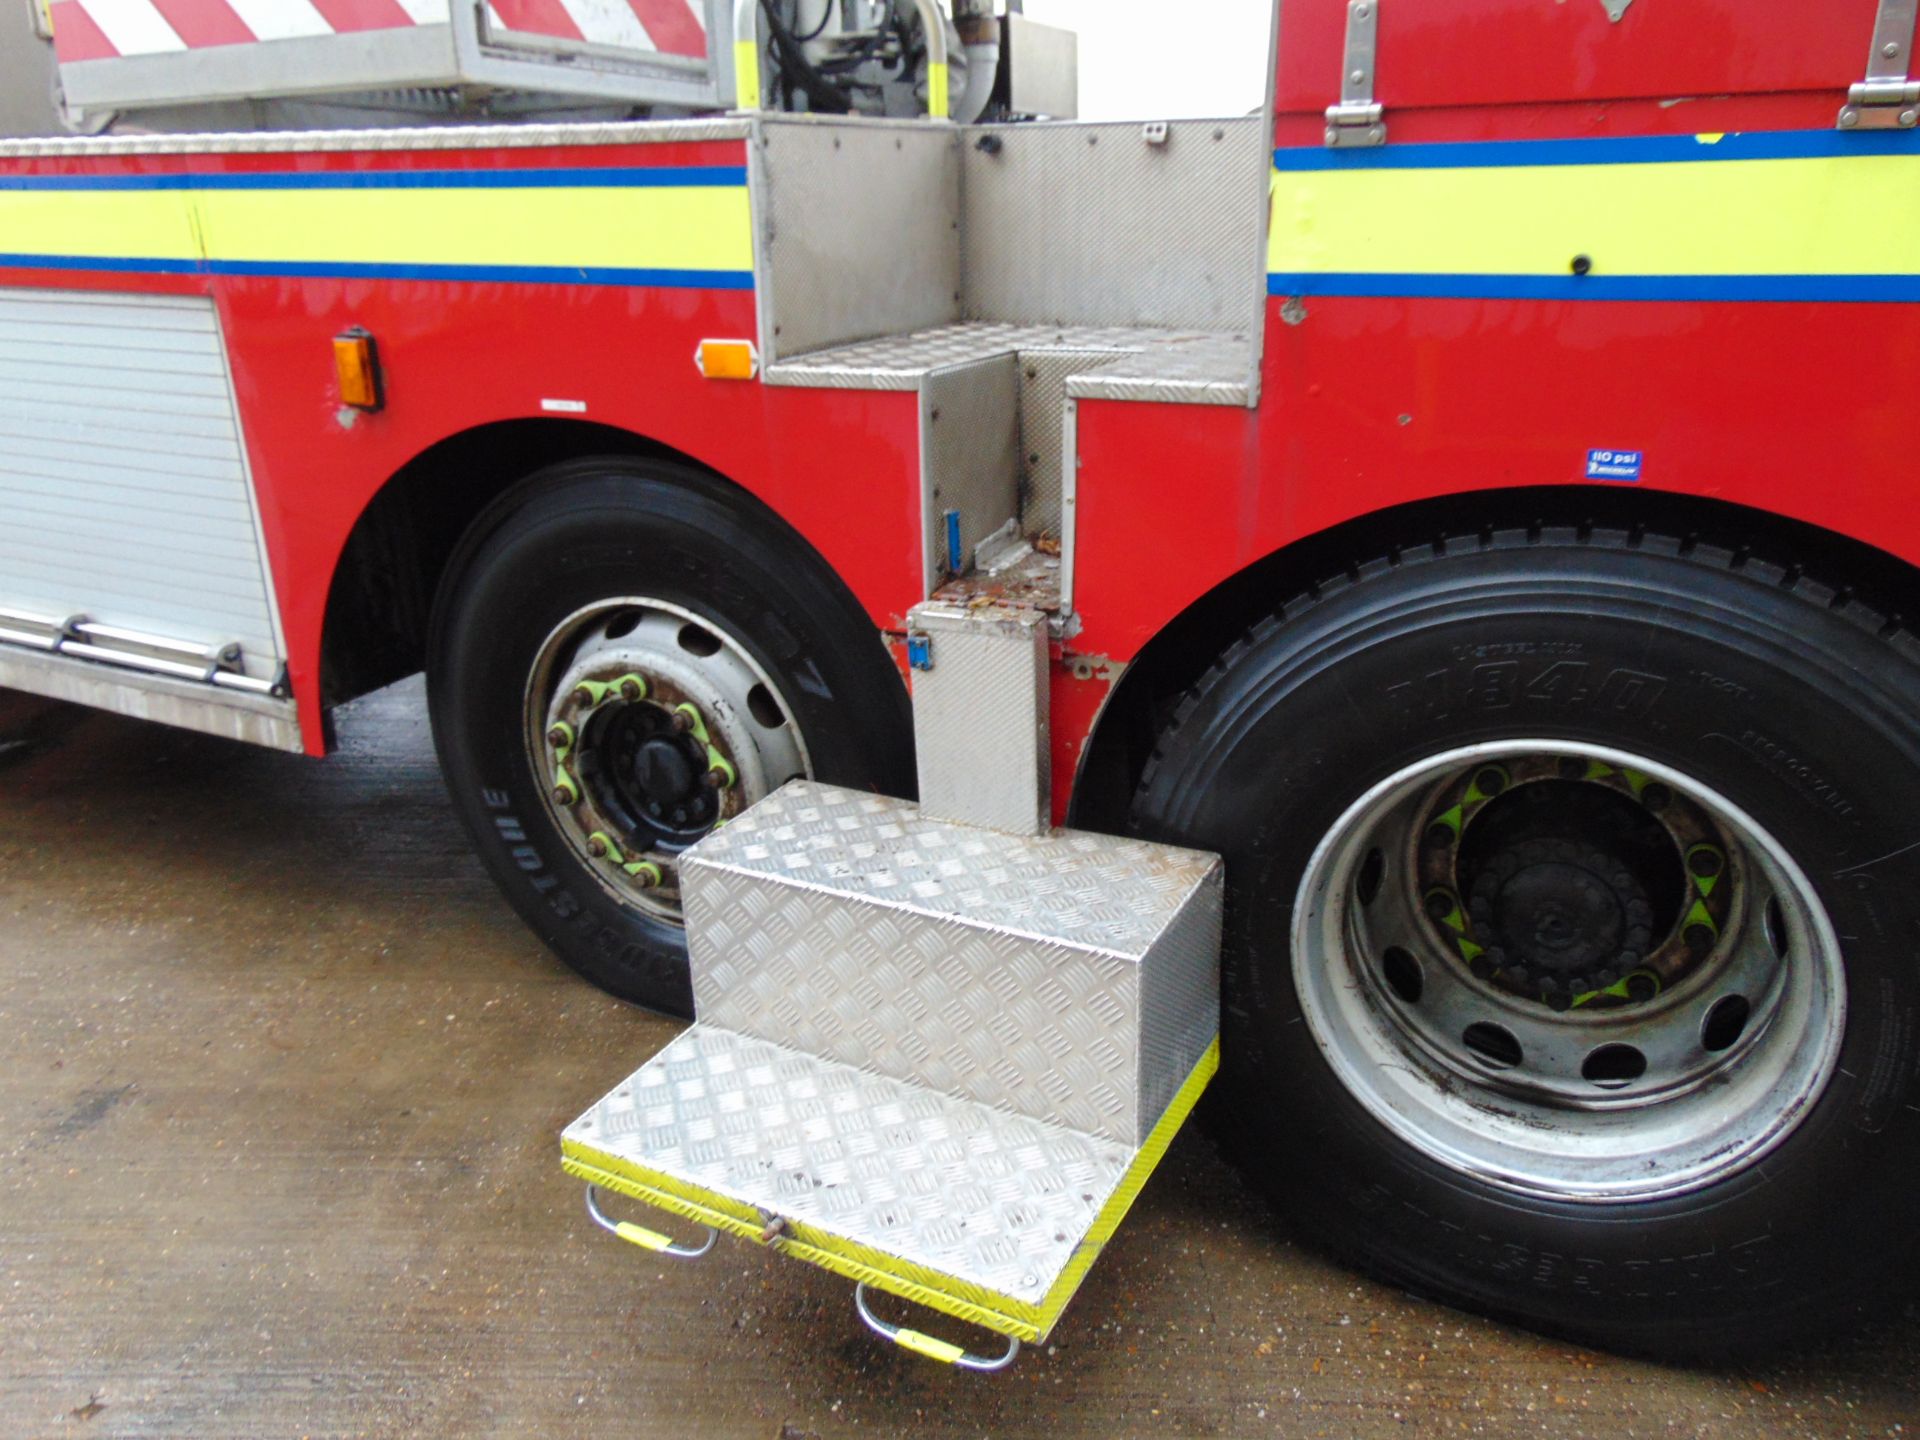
(540, 578)
(1792, 706)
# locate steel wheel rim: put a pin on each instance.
(1553, 1122)
(616, 685)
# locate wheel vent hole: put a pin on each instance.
(1725, 1022)
(1612, 1066)
(765, 709)
(1777, 928)
(1402, 973)
(1493, 1043)
(622, 624)
(696, 641)
(1371, 869)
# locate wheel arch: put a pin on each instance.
(1188, 644)
(380, 595)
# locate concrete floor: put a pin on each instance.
(278, 1118)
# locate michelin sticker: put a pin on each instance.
(1613, 464)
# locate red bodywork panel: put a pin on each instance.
(1367, 401)
(1477, 54)
(840, 466)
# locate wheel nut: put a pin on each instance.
(631, 690)
(1642, 988)
(1559, 1000)
(565, 796)
(718, 779)
(1572, 767)
(1481, 967)
(559, 735)
(1656, 796)
(1439, 833)
(582, 695)
(1440, 904)
(1705, 861)
(1699, 938)
(682, 722)
(596, 847)
(1490, 781)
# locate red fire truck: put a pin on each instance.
(1464, 497)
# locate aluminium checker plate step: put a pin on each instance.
(933, 1058)
(990, 1217)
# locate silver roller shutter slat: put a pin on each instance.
(124, 489)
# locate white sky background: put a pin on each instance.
(1164, 59)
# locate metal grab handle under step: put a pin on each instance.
(944, 1351)
(646, 1239)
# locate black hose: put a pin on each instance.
(826, 14)
(822, 94)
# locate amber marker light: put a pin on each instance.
(727, 359)
(357, 365)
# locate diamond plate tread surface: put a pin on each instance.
(999, 1202)
(980, 1014)
(420, 137)
(1043, 387)
(1087, 224)
(1207, 370)
(1093, 892)
(1204, 366)
(980, 716)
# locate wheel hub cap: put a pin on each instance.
(650, 726)
(1568, 971)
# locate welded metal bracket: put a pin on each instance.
(1886, 99)
(1357, 120)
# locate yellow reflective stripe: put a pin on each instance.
(937, 105)
(638, 227)
(156, 224)
(923, 1286)
(934, 1349)
(1121, 1201)
(746, 74)
(1733, 217)
(639, 1235)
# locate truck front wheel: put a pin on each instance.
(1572, 895)
(627, 654)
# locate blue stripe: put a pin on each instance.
(1625, 150)
(515, 274)
(641, 177)
(1851, 288)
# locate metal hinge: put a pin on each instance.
(1356, 120)
(1886, 99)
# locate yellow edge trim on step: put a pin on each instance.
(948, 1294)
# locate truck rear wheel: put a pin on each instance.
(625, 655)
(1570, 971)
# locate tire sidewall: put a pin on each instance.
(588, 532)
(1797, 715)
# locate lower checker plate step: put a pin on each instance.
(991, 1217)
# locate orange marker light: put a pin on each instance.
(727, 359)
(357, 364)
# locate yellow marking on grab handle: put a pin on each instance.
(639, 1235)
(945, 1351)
(937, 103)
(746, 74)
